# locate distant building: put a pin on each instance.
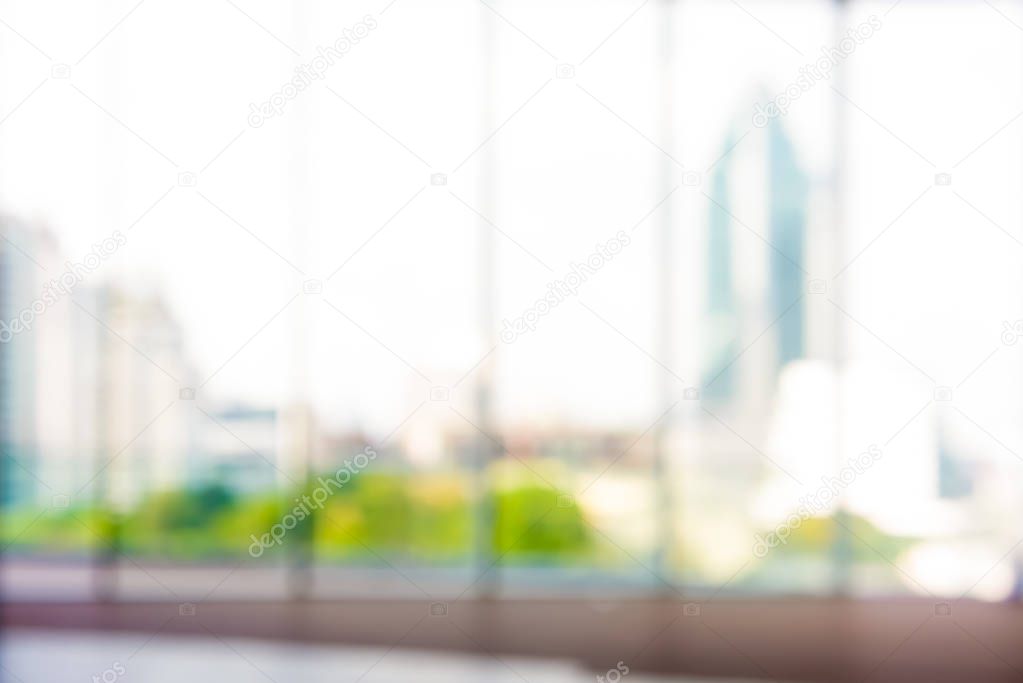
(143, 430)
(722, 341)
(764, 184)
(345, 445)
(20, 283)
(238, 447)
(788, 198)
(956, 476)
(573, 447)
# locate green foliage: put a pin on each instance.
(423, 517)
(528, 521)
(184, 509)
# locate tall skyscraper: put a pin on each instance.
(722, 305)
(139, 389)
(787, 199)
(760, 182)
(83, 368)
(18, 279)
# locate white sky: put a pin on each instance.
(572, 168)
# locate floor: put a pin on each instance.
(51, 657)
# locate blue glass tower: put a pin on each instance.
(787, 196)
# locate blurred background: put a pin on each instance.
(469, 301)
